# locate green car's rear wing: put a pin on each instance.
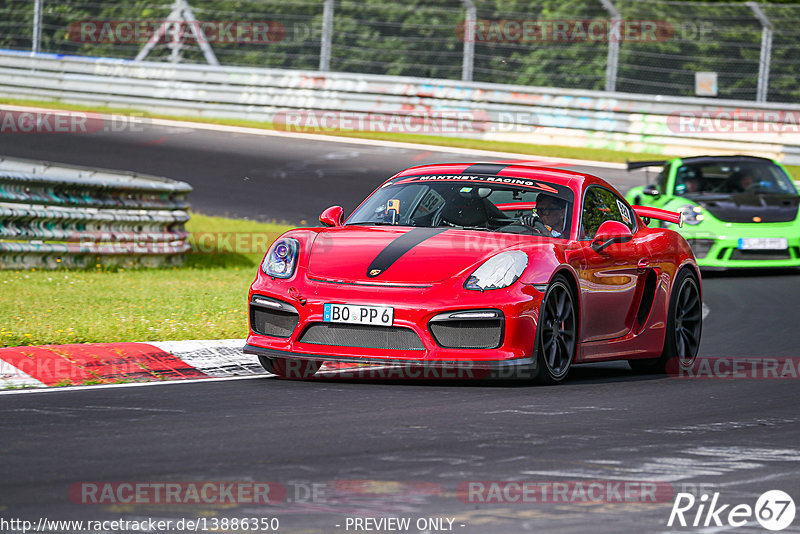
(633, 165)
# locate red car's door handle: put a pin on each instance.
(644, 263)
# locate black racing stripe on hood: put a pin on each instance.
(397, 248)
(485, 168)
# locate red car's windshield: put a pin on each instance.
(480, 204)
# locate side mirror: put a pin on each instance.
(651, 191)
(610, 232)
(333, 216)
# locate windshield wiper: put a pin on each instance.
(468, 227)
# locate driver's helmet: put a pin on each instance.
(685, 174)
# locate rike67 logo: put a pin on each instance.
(774, 510)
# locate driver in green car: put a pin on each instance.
(741, 182)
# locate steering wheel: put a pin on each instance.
(760, 185)
(534, 222)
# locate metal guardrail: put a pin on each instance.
(62, 216)
(532, 115)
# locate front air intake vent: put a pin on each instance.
(368, 337)
(270, 317)
(470, 329)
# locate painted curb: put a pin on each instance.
(111, 363)
(47, 366)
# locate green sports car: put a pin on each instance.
(738, 211)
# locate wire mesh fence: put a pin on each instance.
(638, 46)
(719, 37)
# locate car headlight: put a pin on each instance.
(691, 214)
(281, 258)
(498, 271)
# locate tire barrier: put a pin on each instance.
(343, 101)
(62, 216)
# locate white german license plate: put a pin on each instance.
(353, 313)
(763, 243)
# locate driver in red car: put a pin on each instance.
(550, 213)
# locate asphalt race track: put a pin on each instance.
(389, 448)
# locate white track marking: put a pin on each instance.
(693, 463)
(130, 385)
(11, 377)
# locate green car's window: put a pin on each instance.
(732, 177)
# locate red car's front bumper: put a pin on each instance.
(414, 309)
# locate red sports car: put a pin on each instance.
(493, 267)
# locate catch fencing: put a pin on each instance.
(59, 216)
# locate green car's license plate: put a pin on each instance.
(763, 243)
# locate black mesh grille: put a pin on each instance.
(473, 334)
(760, 254)
(700, 247)
(370, 337)
(275, 323)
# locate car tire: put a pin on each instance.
(289, 368)
(684, 328)
(557, 333)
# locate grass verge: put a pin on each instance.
(204, 299)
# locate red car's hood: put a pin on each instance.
(402, 254)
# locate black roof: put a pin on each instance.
(723, 159)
